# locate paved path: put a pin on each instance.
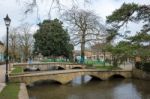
(23, 91)
(2, 73)
(23, 94)
(2, 77)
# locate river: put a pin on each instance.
(87, 88)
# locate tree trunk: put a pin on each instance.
(82, 49)
(115, 62)
(104, 58)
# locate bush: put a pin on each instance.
(138, 65)
(1, 63)
(143, 66)
(146, 67)
(89, 64)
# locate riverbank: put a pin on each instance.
(14, 91)
(140, 74)
(11, 90)
(23, 94)
(85, 88)
(2, 85)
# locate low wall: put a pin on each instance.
(141, 74)
(23, 94)
(65, 76)
(50, 65)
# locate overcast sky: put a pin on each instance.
(15, 8)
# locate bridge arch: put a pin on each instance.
(44, 79)
(65, 77)
(77, 67)
(116, 76)
(61, 80)
(93, 77)
(60, 68)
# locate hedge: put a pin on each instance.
(143, 66)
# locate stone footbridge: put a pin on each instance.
(65, 76)
(51, 65)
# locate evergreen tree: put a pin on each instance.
(52, 40)
(133, 13)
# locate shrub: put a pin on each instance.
(89, 64)
(138, 65)
(146, 67)
(1, 63)
(143, 66)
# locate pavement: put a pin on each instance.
(2, 77)
(23, 94)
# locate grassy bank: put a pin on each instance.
(17, 70)
(10, 91)
(107, 68)
(102, 67)
(54, 60)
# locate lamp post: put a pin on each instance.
(7, 23)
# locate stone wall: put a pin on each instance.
(23, 94)
(50, 65)
(141, 74)
(65, 76)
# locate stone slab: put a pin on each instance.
(23, 94)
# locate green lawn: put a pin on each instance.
(107, 68)
(102, 67)
(10, 91)
(93, 62)
(17, 70)
(54, 60)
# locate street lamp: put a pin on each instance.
(7, 23)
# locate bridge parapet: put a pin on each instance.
(66, 76)
(50, 65)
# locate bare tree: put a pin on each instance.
(26, 40)
(34, 5)
(20, 42)
(13, 44)
(85, 27)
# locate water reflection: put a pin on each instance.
(81, 80)
(86, 88)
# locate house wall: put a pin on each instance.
(94, 55)
(2, 50)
